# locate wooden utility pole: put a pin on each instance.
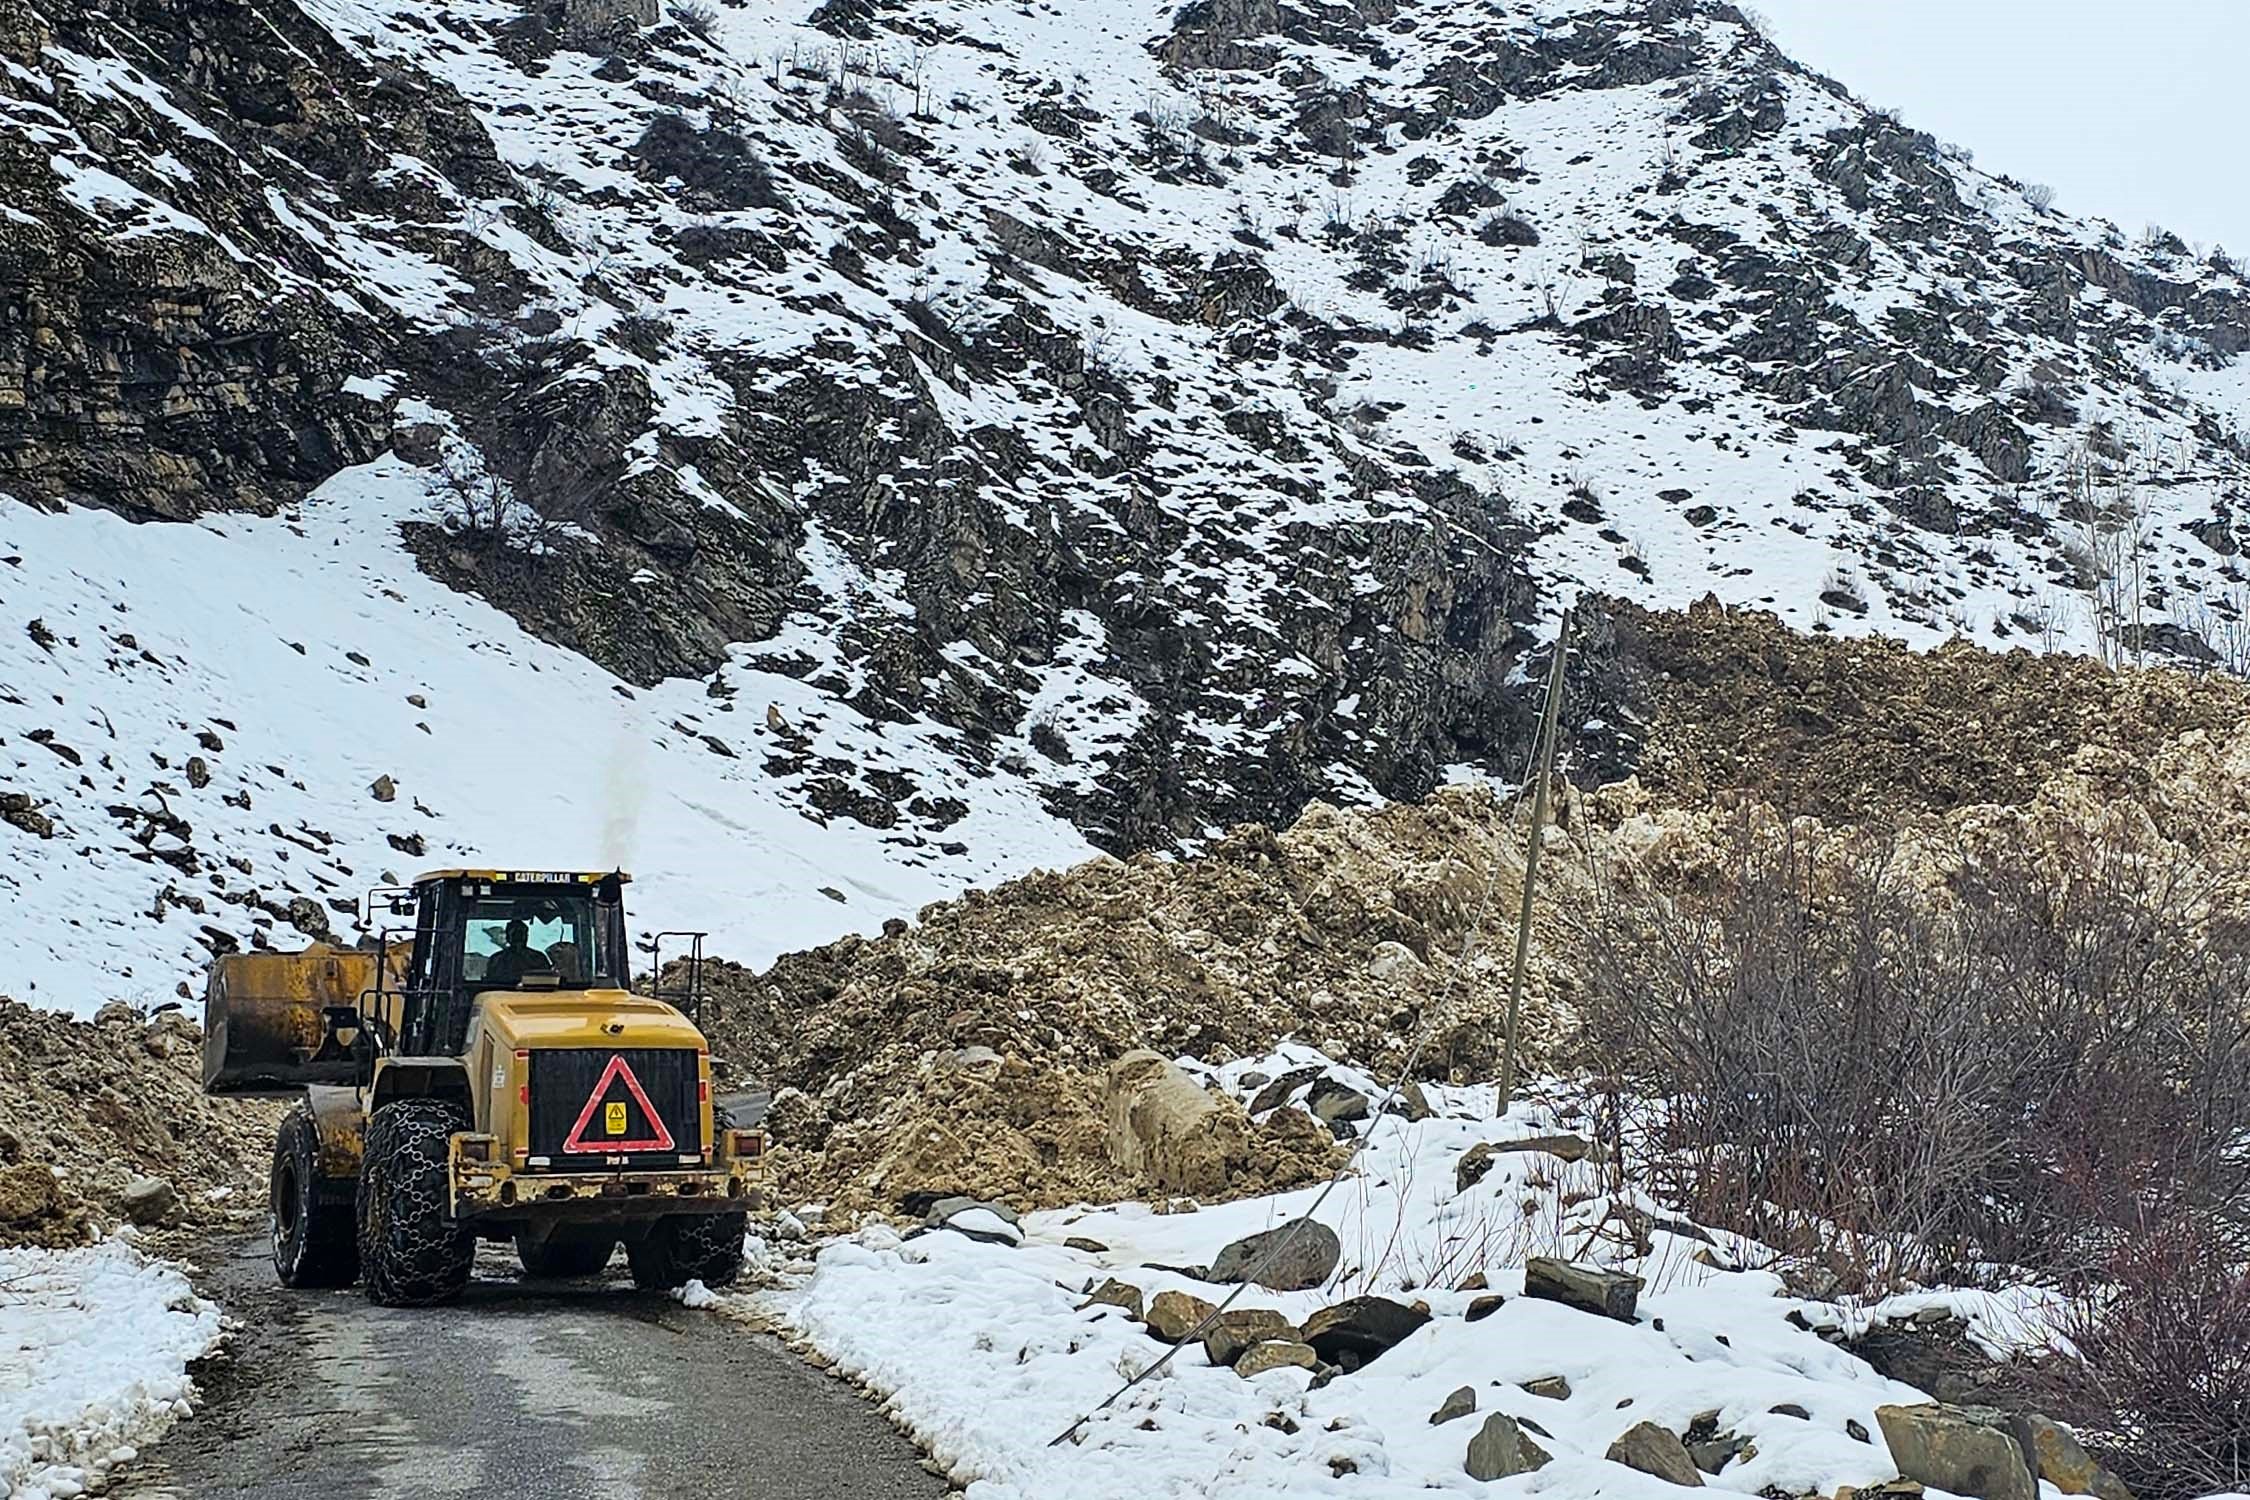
(1543, 756)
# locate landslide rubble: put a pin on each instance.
(89, 1109)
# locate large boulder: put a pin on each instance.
(1162, 1124)
(1608, 1294)
(1350, 1334)
(1172, 1316)
(2060, 1459)
(1304, 1251)
(1240, 1327)
(1658, 1451)
(1966, 1450)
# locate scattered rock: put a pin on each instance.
(1714, 1454)
(1459, 1404)
(1500, 1449)
(1481, 1308)
(1393, 962)
(1658, 1451)
(1608, 1294)
(1115, 1293)
(1172, 1316)
(1304, 1251)
(1333, 1103)
(987, 1223)
(198, 772)
(1086, 1246)
(1549, 1387)
(20, 810)
(1275, 1094)
(1477, 1161)
(1275, 1354)
(150, 1200)
(1790, 1409)
(1967, 1450)
(1350, 1334)
(310, 918)
(1240, 1327)
(383, 789)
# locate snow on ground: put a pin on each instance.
(300, 658)
(94, 1348)
(983, 1352)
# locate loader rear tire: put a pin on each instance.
(411, 1254)
(689, 1247)
(309, 1217)
(559, 1257)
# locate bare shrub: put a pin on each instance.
(2153, 1370)
(1048, 739)
(474, 501)
(2040, 196)
(1507, 228)
(699, 18)
(1913, 1074)
(644, 333)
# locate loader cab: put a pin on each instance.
(479, 930)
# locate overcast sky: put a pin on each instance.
(2132, 110)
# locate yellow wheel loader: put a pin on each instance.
(487, 1072)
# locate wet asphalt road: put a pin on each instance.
(557, 1390)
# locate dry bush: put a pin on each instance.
(2157, 1378)
(1920, 1075)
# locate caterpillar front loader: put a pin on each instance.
(489, 1074)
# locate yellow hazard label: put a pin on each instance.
(613, 1118)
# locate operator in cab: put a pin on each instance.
(505, 969)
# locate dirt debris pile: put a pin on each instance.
(1734, 702)
(965, 1053)
(90, 1108)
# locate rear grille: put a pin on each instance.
(576, 1092)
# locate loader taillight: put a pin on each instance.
(749, 1143)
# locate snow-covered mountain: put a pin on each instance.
(827, 454)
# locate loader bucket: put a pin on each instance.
(262, 1023)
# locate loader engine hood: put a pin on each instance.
(531, 1019)
(595, 1079)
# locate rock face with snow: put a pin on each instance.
(1169, 414)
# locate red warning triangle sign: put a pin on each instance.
(577, 1142)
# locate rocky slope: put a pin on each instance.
(1162, 416)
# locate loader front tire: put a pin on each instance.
(689, 1247)
(411, 1254)
(309, 1217)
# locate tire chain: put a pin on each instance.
(410, 1253)
(689, 1247)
